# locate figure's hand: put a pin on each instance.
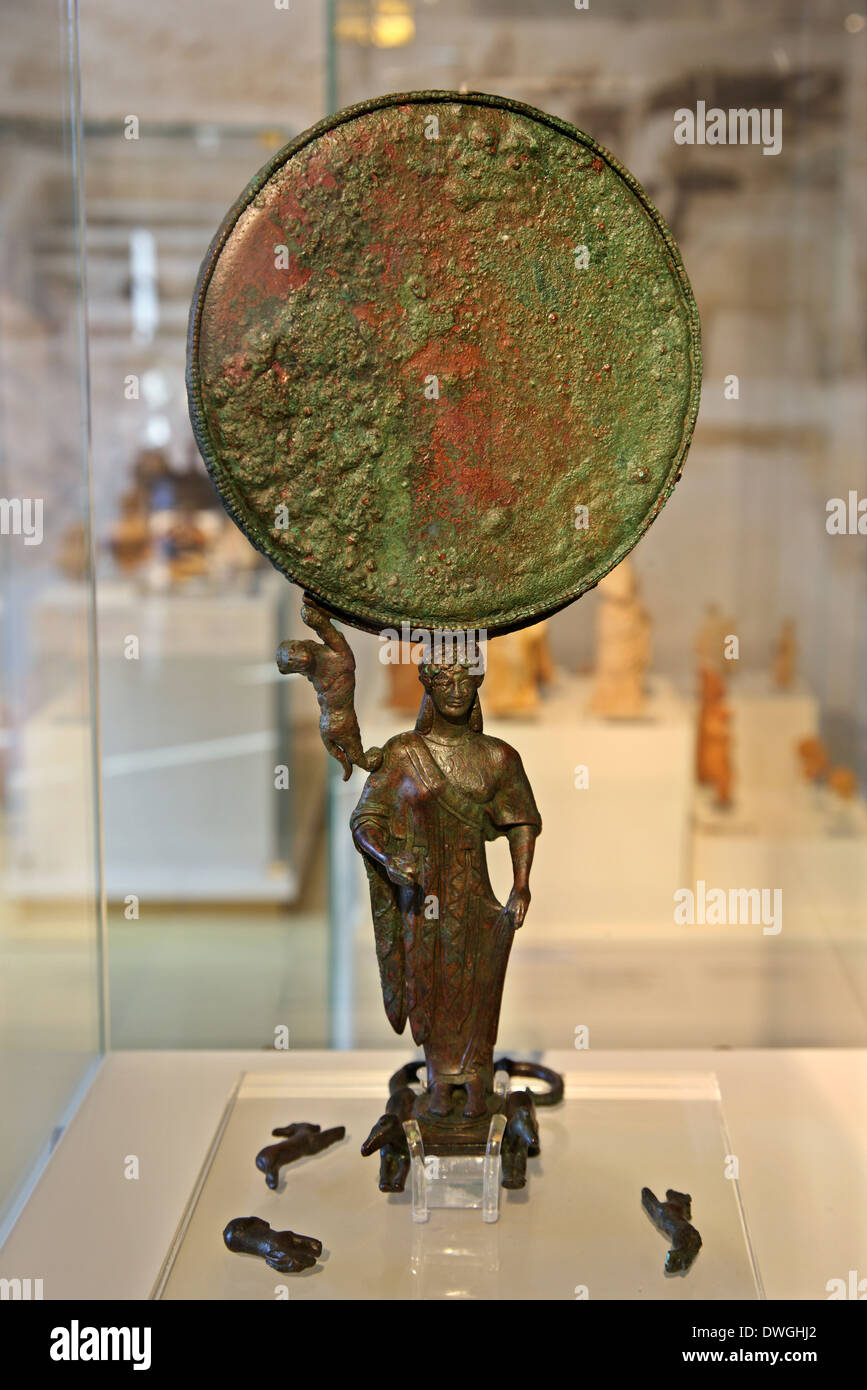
(402, 870)
(516, 907)
(313, 616)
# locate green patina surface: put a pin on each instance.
(410, 258)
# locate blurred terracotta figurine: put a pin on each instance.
(130, 536)
(73, 552)
(786, 656)
(843, 783)
(330, 667)
(713, 764)
(843, 786)
(186, 545)
(622, 647)
(517, 665)
(815, 761)
(712, 640)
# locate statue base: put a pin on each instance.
(503, 1138)
(454, 1133)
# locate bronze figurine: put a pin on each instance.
(284, 1251)
(329, 665)
(673, 1218)
(299, 1141)
(521, 1139)
(442, 939)
(389, 1138)
(458, 419)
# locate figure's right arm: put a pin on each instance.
(370, 837)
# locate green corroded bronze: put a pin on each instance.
(432, 330)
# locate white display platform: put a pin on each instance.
(781, 832)
(576, 1231)
(768, 724)
(610, 855)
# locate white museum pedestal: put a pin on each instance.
(781, 831)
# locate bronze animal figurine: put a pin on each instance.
(299, 1141)
(388, 1136)
(521, 1139)
(673, 1218)
(284, 1251)
(329, 665)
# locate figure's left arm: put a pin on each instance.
(522, 843)
(514, 814)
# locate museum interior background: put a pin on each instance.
(234, 905)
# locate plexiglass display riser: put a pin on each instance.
(577, 1230)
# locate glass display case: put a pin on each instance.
(50, 922)
(185, 916)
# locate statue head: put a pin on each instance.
(451, 689)
(294, 658)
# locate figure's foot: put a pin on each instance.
(440, 1098)
(393, 1169)
(477, 1101)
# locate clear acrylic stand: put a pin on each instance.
(455, 1180)
(458, 1180)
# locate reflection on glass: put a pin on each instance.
(50, 913)
(214, 790)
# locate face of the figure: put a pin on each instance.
(452, 689)
(301, 659)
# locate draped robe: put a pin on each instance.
(443, 946)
